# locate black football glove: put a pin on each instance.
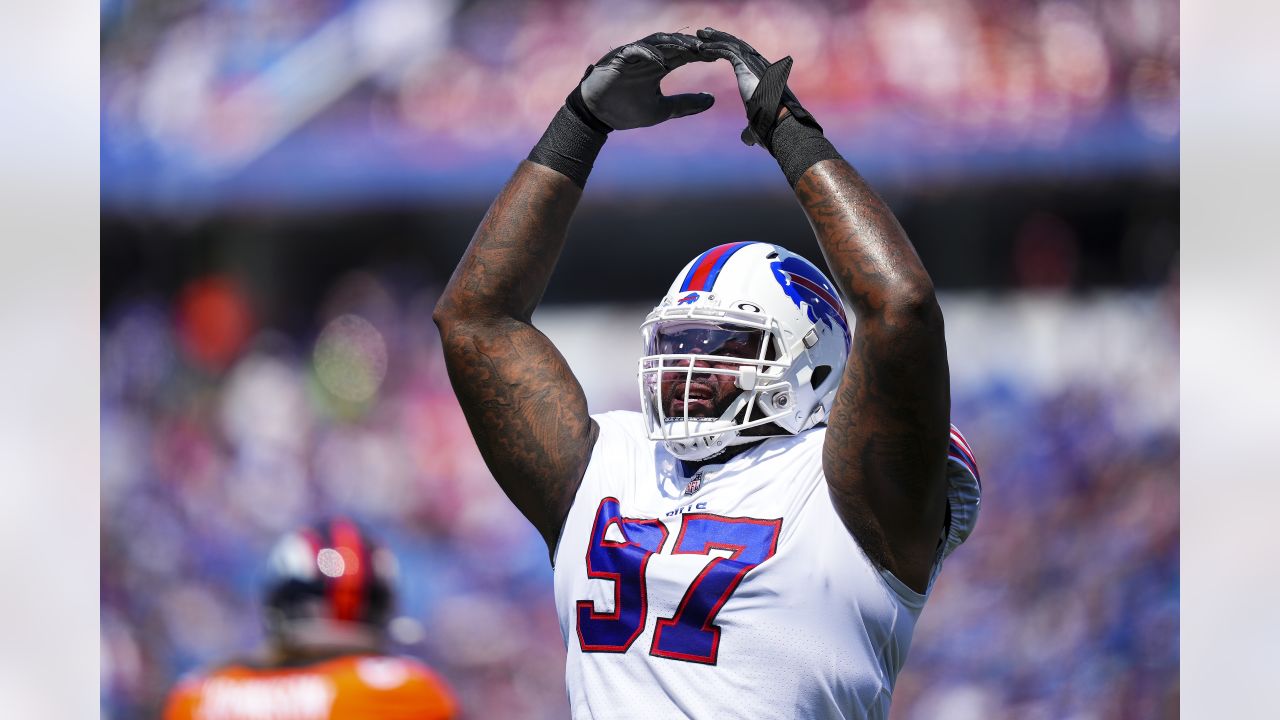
(622, 90)
(763, 86)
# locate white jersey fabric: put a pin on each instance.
(735, 593)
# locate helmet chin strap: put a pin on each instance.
(724, 453)
(674, 447)
(691, 449)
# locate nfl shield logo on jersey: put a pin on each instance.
(694, 484)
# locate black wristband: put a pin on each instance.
(770, 96)
(576, 103)
(569, 147)
(798, 146)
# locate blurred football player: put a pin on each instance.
(328, 597)
(760, 540)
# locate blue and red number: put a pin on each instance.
(623, 563)
(691, 633)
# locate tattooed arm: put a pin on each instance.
(526, 410)
(886, 446)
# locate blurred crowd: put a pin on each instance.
(220, 431)
(219, 82)
(218, 435)
(1065, 603)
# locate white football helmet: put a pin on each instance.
(753, 312)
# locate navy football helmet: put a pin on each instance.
(330, 574)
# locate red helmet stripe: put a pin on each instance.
(702, 276)
(348, 588)
(959, 450)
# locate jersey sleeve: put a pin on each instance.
(394, 688)
(182, 700)
(612, 442)
(615, 445)
(964, 497)
(424, 697)
(620, 432)
(432, 695)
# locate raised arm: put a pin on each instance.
(886, 446)
(526, 410)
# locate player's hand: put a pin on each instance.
(622, 90)
(763, 85)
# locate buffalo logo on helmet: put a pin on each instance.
(805, 284)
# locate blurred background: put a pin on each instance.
(287, 184)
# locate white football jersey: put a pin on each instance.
(735, 593)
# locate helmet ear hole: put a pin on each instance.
(820, 374)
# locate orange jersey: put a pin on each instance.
(353, 687)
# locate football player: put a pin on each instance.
(328, 598)
(760, 540)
